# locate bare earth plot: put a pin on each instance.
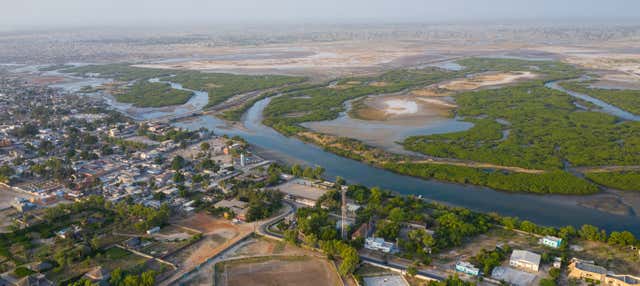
(489, 241)
(486, 79)
(291, 270)
(252, 247)
(218, 234)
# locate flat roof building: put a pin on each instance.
(525, 260)
(467, 268)
(379, 244)
(580, 269)
(551, 241)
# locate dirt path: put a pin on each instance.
(606, 169)
(214, 229)
(444, 161)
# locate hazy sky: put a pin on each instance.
(29, 13)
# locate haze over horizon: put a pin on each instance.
(76, 13)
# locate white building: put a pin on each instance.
(551, 241)
(525, 260)
(153, 230)
(379, 244)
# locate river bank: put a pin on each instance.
(551, 210)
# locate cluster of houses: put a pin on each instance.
(40, 193)
(578, 269)
(520, 260)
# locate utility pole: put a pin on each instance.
(344, 214)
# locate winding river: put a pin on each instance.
(554, 210)
(605, 107)
(548, 210)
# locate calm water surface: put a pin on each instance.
(547, 210)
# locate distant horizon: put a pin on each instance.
(326, 23)
(64, 14)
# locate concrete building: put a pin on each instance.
(97, 274)
(239, 208)
(379, 244)
(586, 270)
(467, 268)
(23, 205)
(525, 260)
(153, 230)
(621, 280)
(551, 241)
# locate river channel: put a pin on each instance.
(547, 210)
(553, 210)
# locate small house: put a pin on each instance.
(467, 268)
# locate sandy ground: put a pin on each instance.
(218, 233)
(334, 58)
(403, 106)
(208, 224)
(7, 219)
(611, 57)
(251, 247)
(298, 188)
(305, 271)
(384, 125)
(46, 80)
(486, 79)
(172, 232)
(616, 80)
(384, 120)
(431, 92)
(400, 106)
(8, 196)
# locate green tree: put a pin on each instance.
(412, 270)
(177, 163)
(291, 236)
(116, 277)
(318, 172)
(590, 232)
(296, 170)
(624, 238)
(178, 177)
(205, 146)
(547, 282)
(308, 172)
